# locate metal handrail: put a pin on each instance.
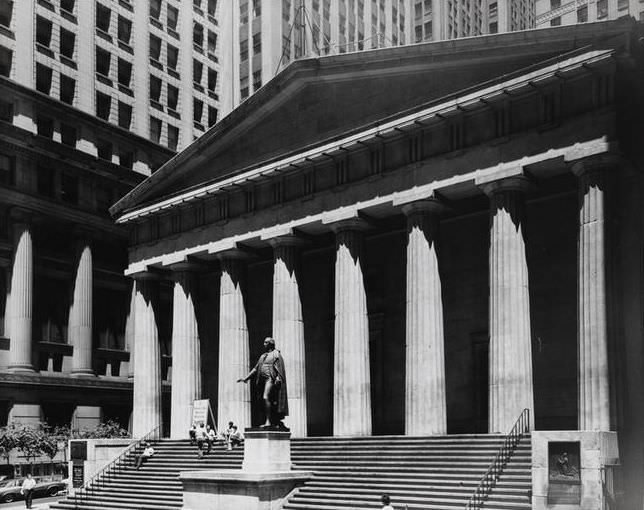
(113, 467)
(520, 428)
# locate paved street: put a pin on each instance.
(38, 504)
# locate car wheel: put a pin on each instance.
(9, 498)
(52, 491)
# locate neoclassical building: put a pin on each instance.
(438, 236)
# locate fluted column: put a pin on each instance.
(127, 370)
(425, 398)
(510, 376)
(233, 398)
(592, 324)
(186, 357)
(20, 309)
(146, 413)
(80, 314)
(352, 381)
(288, 328)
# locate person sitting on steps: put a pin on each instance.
(147, 453)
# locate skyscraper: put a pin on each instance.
(149, 66)
(552, 13)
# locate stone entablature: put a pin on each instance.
(423, 148)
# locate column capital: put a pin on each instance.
(234, 254)
(594, 164)
(431, 205)
(521, 183)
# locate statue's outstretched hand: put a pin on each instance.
(241, 379)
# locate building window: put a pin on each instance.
(172, 17)
(103, 59)
(103, 106)
(104, 149)
(124, 30)
(68, 135)
(212, 116)
(494, 27)
(5, 61)
(257, 79)
(257, 43)
(622, 4)
(67, 5)
(124, 72)
(243, 50)
(212, 42)
(197, 35)
(43, 31)
(155, 129)
(582, 14)
(197, 110)
(45, 181)
(155, 48)
(6, 111)
(212, 7)
(555, 22)
(173, 137)
(67, 89)
(125, 115)
(69, 188)
(257, 8)
(197, 71)
(45, 126)
(212, 79)
(155, 88)
(555, 4)
(155, 9)
(173, 97)
(243, 12)
(43, 78)
(173, 57)
(6, 11)
(103, 17)
(126, 159)
(602, 9)
(7, 170)
(67, 43)
(418, 31)
(243, 87)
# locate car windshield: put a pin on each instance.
(7, 483)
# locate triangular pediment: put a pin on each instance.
(316, 100)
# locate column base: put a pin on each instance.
(21, 368)
(84, 372)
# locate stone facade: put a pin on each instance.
(439, 268)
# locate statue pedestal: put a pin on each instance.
(263, 482)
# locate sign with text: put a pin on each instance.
(200, 410)
(78, 474)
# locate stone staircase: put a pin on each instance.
(419, 472)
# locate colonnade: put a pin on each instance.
(510, 376)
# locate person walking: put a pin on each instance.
(27, 489)
(192, 433)
(201, 437)
(234, 437)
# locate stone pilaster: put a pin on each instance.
(146, 413)
(352, 380)
(20, 309)
(425, 397)
(186, 356)
(233, 398)
(288, 328)
(510, 376)
(80, 314)
(592, 320)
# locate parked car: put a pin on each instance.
(45, 486)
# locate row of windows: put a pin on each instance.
(243, 10)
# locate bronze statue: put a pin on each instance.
(270, 376)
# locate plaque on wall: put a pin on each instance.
(564, 473)
(78, 450)
(78, 474)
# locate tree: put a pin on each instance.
(8, 442)
(30, 440)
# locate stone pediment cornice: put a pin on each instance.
(443, 110)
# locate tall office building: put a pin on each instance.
(149, 66)
(448, 19)
(551, 13)
(267, 38)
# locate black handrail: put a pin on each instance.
(520, 428)
(113, 467)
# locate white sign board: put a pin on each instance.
(200, 410)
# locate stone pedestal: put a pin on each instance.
(262, 484)
(583, 487)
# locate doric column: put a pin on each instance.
(80, 314)
(288, 327)
(352, 381)
(186, 357)
(233, 398)
(20, 309)
(510, 376)
(425, 400)
(592, 324)
(127, 368)
(147, 363)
